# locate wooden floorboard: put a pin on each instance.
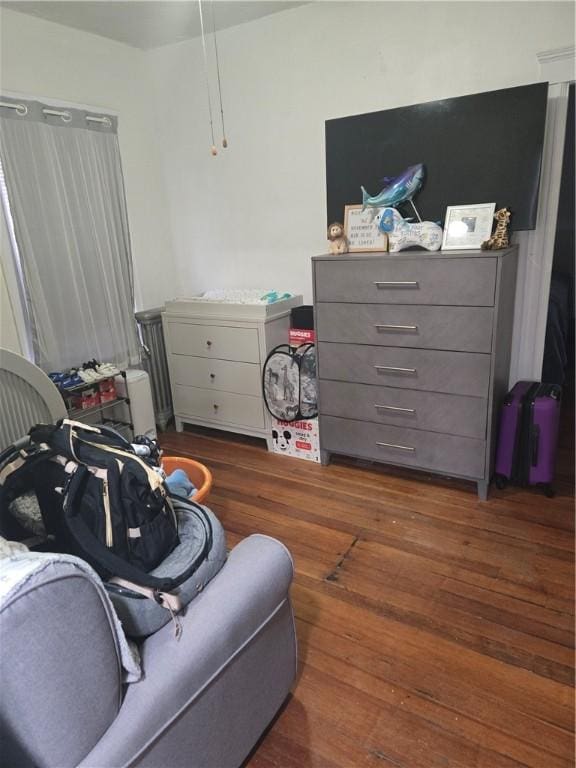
(434, 630)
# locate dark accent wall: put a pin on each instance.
(477, 149)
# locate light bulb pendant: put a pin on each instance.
(213, 150)
(214, 37)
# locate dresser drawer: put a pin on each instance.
(464, 329)
(432, 411)
(462, 282)
(224, 407)
(407, 447)
(214, 341)
(219, 375)
(451, 372)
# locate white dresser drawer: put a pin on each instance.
(219, 407)
(213, 341)
(219, 375)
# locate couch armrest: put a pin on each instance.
(60, 671)
(222, 627)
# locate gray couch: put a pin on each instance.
(205, 699)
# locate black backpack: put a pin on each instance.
(99, 501)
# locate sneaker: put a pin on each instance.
(88, 376)
(107, 369)
(71, 381)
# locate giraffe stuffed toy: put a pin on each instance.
(499, 237)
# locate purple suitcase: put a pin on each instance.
(528, 437)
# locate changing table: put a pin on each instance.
(216, 351)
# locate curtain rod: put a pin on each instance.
(95, 119)
(22, 110)
(66, 116)
(50, 101)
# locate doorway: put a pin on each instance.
(559, 364)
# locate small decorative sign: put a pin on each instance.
(361, 227)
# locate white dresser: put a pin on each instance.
(215, 354)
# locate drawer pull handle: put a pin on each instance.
(212, 376)
(395, 408)
(389, 327)
(393, 368)
(208, 343)
(396, 283)
(215, 407)
(399, 447)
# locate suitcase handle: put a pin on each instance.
(534, 441)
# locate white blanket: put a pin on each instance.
(242, 296)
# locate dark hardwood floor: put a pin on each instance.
(435, 631)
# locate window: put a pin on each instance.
(63, 194)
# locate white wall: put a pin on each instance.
(42, 59)
(254, 215)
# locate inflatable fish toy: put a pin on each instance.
(397, 190)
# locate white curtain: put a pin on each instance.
(66, 199)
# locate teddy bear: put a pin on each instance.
(337, 239)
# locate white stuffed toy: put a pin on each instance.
(402, 233)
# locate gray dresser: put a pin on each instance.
(414, 357)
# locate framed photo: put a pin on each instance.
(361, 229)
(467, 226)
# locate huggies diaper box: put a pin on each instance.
(299, 439)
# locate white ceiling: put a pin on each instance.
(149, 23)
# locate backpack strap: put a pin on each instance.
(167, 600)
(71, 444)
(14, 458)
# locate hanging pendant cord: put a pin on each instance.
(213, 149)
(224, 139)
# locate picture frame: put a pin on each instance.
(466, 227)
(361, 229)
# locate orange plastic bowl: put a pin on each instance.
(198, 474)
